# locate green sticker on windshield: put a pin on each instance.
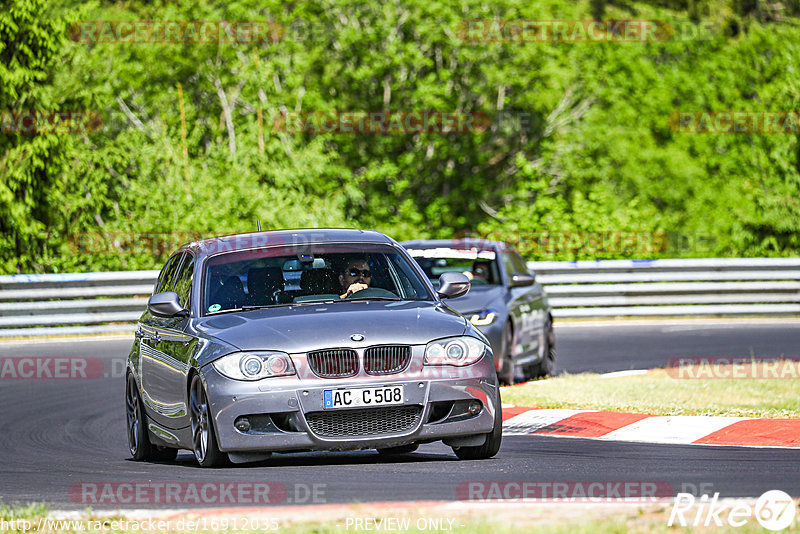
(214, 307)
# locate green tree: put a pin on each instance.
(32, 188)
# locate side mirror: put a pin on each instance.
(453, 285)
(522, 279)
(166, 304)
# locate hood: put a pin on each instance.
(479, 298)
(296, 329)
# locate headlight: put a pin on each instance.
(254, 365)
(483, 317)
(458, 351)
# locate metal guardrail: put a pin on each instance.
(51, 304)
(670, 287)
(72, 303)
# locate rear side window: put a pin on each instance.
(183, 280)
(168, 274)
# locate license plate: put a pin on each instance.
(357, 397)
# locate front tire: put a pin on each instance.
(204, 441)
(493, 439)
(138, 439)
(547, 366)
(510, 373)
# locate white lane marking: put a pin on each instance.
(527, 422)
(674, 429)
(726, 326)
(630, 372)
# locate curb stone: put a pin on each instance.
(670, 429)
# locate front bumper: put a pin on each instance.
(283, 404)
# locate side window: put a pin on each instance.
(183, 280)
(162, 275)
(521, 265)
(165, 283)
(508, 265)
(403, 274)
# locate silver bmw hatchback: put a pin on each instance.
(299, 340)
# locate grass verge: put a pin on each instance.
(658, 393)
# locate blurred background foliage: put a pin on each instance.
(594, 161)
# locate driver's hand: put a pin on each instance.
(353, 289)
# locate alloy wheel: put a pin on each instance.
(133, 416)
(200, 428)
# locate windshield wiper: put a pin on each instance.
(306, 303)
(246, 308)
(287, 304)
(262, 306)
(369, 298)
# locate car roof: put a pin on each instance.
(466, 243)
(304, 236)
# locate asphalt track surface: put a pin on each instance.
(58, 434)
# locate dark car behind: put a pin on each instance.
(506, 302)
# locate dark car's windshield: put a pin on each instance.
(288, 275)
(479, 265)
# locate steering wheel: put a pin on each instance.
(372, 292)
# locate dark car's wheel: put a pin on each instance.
(138, 439)
(547, 365)
(400, 449)
(510, 372)
(493, 439)
(204, 442)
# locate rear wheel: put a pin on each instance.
(401, 449)
(138, 439)
(547, 365)
(204, 441)
(493, 439)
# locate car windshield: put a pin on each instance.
(479, 265)
(290, 275)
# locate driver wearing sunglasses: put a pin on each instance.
(355, 276)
